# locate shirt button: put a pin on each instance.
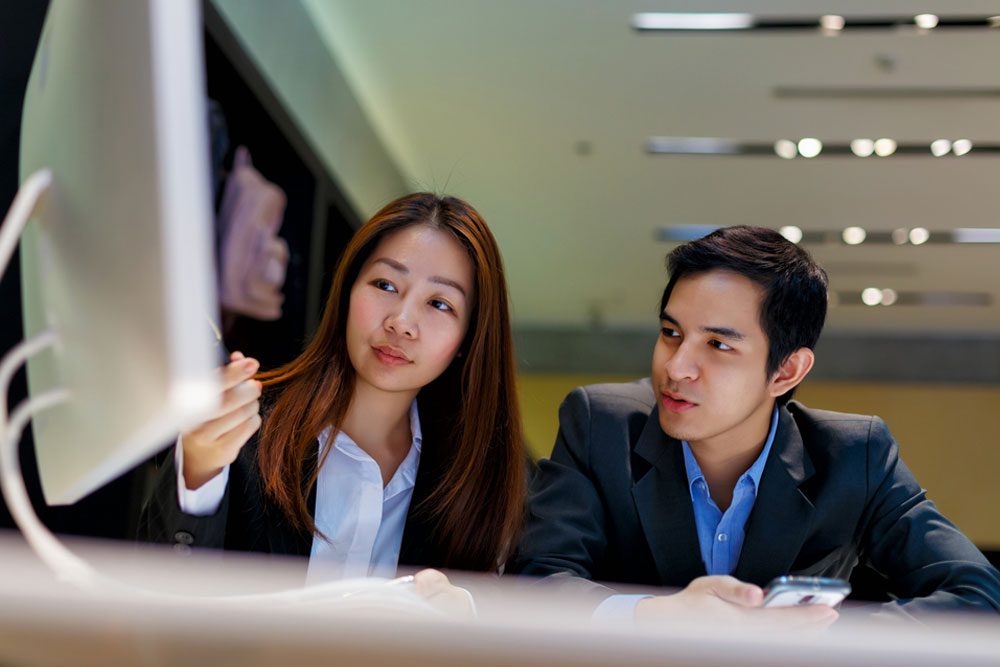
(183, 537)
(722, 537)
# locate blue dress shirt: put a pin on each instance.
(721, 534)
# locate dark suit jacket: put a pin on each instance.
(613, 504)
(249, 521)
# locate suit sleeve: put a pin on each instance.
(929, 564)
(564, 536)
(163, 521)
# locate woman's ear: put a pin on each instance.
(792, 371)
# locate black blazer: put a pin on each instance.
(613, 504)
(249, 521)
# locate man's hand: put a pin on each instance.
(218, 441)
(434, 587)
(729, 600)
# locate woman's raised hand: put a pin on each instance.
(217, 442)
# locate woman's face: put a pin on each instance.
(409, 309)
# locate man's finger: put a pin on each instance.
(737, 592)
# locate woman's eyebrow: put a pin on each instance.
(434, 279)
(447, 281)
(392, 263)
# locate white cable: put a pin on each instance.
(15, 358)
(66, 565)
(28, 196)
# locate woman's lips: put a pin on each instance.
(390, 356)
(675, 404)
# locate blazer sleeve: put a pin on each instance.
(564, 536)
(929, 564)
(162, 520)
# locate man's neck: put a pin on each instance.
(725, 457)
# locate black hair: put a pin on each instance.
(793, 309)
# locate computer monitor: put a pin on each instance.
(118, 259)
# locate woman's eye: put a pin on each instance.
(384, 285)
(441, 305)
(718, 344)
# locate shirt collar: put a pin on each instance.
(754, 472)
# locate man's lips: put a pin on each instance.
(391, 356)
(675, 402)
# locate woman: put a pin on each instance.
(394, 439)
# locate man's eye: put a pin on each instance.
(669, 333)
(384, 285)
(718, 344)
(441, 305)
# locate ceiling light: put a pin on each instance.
(831, 23)
(785, 149)
(926, 21)
(693, 146)
(810, 147)
(919, 235)
(885, 147)
(792, 233)
(900, 236)
(889, 296)
(862, 147)
(940, 147)
(973, 235)
(871, 296)
(854, 235)
(691, 21)
(961, 146)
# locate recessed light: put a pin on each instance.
(862, 147)
(854, 235)
(919, 235)
(926, 21)
(871, 296)
(810, 147)
(940, 147)
(792, 233)
(831, 23)
(885, 147)
(785, 148)
(961, 146)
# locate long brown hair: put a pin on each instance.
(473, 427)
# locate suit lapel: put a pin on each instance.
(663, 501)
(782, 513)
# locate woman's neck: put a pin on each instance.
(379, 423)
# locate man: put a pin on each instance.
(709, 469)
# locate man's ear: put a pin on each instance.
(791, 372)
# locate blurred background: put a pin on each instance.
(592, 148)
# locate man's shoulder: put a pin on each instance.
(615, 398)
(829, 425)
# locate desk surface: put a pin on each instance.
(45, 622)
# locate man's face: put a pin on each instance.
(709, 362)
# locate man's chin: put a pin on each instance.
(674, 431)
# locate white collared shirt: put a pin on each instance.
(363, 520)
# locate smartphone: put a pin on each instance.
(804, 591)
